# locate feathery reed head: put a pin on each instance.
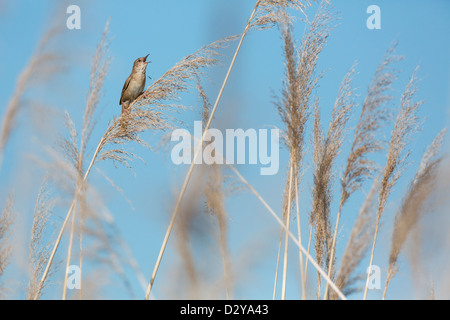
(357, 245)
(39, 245)
(416, 201)
(406, 125)
(42, 65)
(326, 151)
(373, 117)
(271, 12)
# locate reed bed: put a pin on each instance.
(316, 186)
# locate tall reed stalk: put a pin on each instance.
(196, 154)
(294, 105)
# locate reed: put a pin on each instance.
(405, 126)
(414, 205)
(40, 248)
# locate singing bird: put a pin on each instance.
(134, 85)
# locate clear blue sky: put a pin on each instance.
(170, 30)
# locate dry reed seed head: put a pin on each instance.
(59, 171)
(406, 125)
(99, 71)
(357, 245)
(214, 192)
(286, 108)
(321, 198)
(74, 147)
(214, 187)
(206, 105)
(215, 195)
(431, 153)
(300, 80)
(69, 145)
(416, 202)
(176, 80)
(40, 68)
(273, 12)
(105, 244)
(326, 149)
(190, 226)
(293, 105)
(373, 117)
(39, 245)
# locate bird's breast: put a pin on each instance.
(136, 86)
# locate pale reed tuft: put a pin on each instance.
(366, 141)
(415, 203)
(407, 123)
(40, 247)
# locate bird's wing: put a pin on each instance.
(125, 86)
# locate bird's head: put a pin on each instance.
(140, 64)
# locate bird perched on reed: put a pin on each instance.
(134, 85)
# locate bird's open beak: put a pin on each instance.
(145, 59)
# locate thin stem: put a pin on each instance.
(278, 263)
(303, 276)
(388, 279)
(69, 255)
(372, 254)
(81, 253)
(197, 152)
(290, 234)
(225, 266)
(61, 231)
(333, 245)
(286, 244)
(309, 248)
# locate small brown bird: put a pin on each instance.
(134, 85)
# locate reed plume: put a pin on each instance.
(151, 111)
(215, 197)
(357, 245)
(366, 139)
(415, 203)
(190, 226)
(269, 12)
(326, 151)
(405, 126)
(40, 247)
(106, 248)
(294, 104)
(42, 65)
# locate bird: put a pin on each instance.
(134, 85)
